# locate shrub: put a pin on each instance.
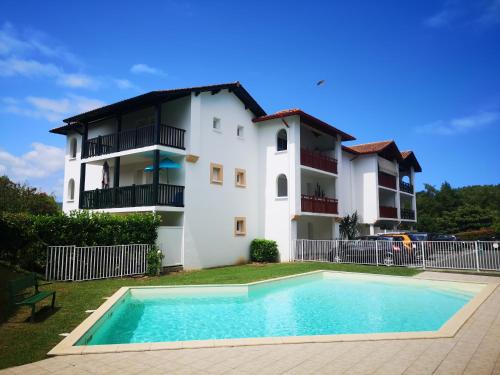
(483, 234)
(24, 238)
(263, 251)
(154, 257)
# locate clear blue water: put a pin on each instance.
(302, 306)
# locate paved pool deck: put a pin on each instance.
(475, 349)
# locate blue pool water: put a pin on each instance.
(313, 305)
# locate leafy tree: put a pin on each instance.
(21, 198)
(452, 210)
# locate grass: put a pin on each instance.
(22, 342)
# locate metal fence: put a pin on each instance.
(72, 263)
(459, 255)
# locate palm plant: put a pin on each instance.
(349, 226)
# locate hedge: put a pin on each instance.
(24, 238)
(263, 251)
(483, 234)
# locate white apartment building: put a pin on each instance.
(221, 172)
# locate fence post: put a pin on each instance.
(336, 251)
(302, 250)
(74, 262)
(121, 263)
(47, 264)
(477, 255)
(376, 252)
(423, 253)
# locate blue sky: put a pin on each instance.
(424, 73)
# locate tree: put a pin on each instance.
(21, 198)
(349, 226)
(452, 210)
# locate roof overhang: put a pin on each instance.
(310, 120)
(410, 160)
(155, 97)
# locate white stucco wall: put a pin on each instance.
(210, 209)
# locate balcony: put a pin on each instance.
(133, 196)
(135, 138)
(386, 180)
(406, 187)
(407, 214)
(319, 205)
(388, 212)
(316, 160)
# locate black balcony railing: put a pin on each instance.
(406, 187)
(133, 196)
(134, 138)
(407, 214)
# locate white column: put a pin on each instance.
(294, 165)
(194, 132)
(372, 229)
(414, 196)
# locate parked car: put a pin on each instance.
(364, 250)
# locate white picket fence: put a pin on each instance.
(73, 263)
(459, 255)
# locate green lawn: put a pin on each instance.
(22, 342)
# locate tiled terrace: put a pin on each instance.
(474, 350)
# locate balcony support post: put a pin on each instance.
(82, 185)
(116, 180)
(157, 124)
(85, 136)
(156, 176)
(118, 131)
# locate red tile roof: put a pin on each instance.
(409, 159)
(387, 149)
(309, 120)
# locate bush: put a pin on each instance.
(24, 238)
(264, 251)
(154, 257)
(483, 234)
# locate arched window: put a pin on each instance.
(71, 189)
(72, 148)
(281, 140)
(282, 186)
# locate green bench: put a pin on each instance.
(18, 296)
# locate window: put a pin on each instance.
(240, 177)
(216, 124)
(240, 226)
(281, 140)
(72, 148)
(240, 131)
(282, 186)
(216, 173)
(71, 190)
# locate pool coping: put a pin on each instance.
(449, 329)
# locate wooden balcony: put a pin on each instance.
(388, 212)
(406, 187)
(134, 138)
(316, 160)
(319, 205)
(407, 214)
(386, 180)
(133, 196)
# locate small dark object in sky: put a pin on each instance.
(320, 82)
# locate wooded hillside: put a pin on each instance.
(457, 210)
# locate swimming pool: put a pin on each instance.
(326, 304)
